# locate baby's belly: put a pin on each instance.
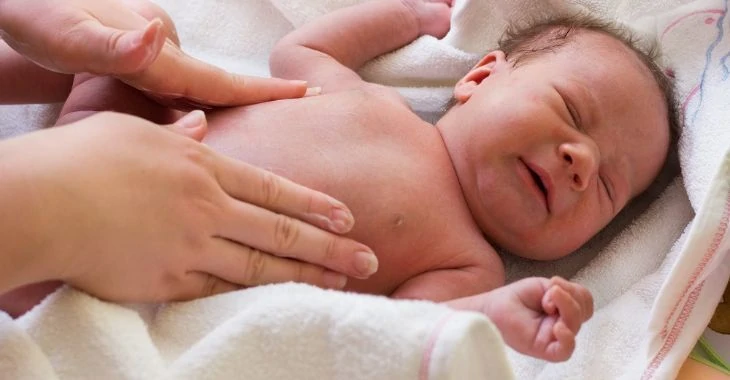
(370, 174)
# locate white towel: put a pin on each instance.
(654, 285)
(289, 331)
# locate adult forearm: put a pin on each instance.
(357, 34)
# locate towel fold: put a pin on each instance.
(273, 332)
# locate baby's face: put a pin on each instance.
(549, 152)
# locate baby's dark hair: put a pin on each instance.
(528, 39)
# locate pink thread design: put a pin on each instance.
(427, 354)
(671, 338)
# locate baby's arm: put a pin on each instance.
(539, 317)
(328, 51)
(448, 284)
(24, 82)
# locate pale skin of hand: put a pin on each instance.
(134, 40)
(539, 317)
(129, 211)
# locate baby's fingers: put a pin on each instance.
(563, 346)
(568, 308)
(579, 293)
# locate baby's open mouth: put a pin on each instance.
(538, 181)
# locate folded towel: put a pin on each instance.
(275, 332)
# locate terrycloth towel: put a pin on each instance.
(274, 332)
(654, 285)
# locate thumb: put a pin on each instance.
(193, 125)
(108, 50)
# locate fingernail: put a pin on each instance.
(134, 40)
(299, 82)
(341, 220)
(193, 119)
(313, 91)
(335, 280)
(366, 263)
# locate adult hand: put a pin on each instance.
(131, 212)
(134, 40)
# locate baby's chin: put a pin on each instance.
(536, 250)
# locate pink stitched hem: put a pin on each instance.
(672, 335)
(431, 345)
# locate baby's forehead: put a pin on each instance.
(579, 43)
(592, 53)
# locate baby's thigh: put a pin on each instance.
(91, 94)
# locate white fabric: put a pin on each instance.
(290, 331)
(655, 285)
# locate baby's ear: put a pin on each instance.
(487, 66)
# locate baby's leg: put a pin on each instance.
(91, 94)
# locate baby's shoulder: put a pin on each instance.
(378, 94)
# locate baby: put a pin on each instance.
(548, 139)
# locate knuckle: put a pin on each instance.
(209, 285)
(330, 251)
(312, 274)
(254, 266)
(196, 153)
(112, 42)
(286, 233)
(270, 188)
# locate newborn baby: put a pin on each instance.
(544, 145)
(547, 140)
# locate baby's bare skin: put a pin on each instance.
(368, 149)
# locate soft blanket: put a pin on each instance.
(655, 284)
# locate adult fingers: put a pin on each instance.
(175, 75)
(92, 47)
(193, 125)
(243, 265)
(288, 237)
(198, 285)
(265, 189)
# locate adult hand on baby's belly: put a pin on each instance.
(144, 215)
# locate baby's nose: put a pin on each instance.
(581, 163)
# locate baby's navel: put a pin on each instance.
(398, 220)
